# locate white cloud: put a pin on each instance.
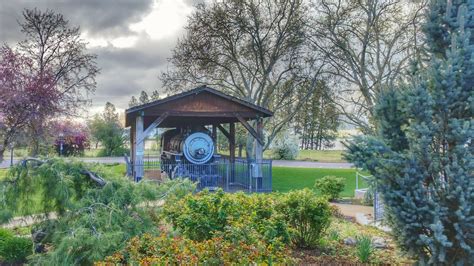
(166, 18)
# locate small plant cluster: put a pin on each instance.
(364, 248)
(14, 249)
(330, 186)
(222, 228)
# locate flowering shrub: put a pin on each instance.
(73, 137)
(167, 250)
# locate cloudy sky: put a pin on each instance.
(132, 39)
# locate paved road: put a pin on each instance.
(304, 164)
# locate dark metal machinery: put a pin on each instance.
(189, 152)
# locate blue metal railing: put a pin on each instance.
(240, 175)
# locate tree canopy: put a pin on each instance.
(25, 95)
(422, 157)
(107, 129)
(254, 50)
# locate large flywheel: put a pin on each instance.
(198, 148)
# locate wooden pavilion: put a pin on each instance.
(202, 106)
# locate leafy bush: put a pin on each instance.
(299, 216)
(14, 249)
(232, 216)
(364, 248)
(330, 186)
(215, 228)
(167, 250)
(308, 215)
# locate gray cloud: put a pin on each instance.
(124, 71)
(127, 71)
(98, 17)
(194, 2)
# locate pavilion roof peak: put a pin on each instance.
(265, 112)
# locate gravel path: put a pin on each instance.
(304, 164)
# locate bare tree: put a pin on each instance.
(368, 44)
(56, 46)
(252, 49)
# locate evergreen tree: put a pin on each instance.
(107, 129)
(317, 121)
(422, 157)
(133, 102)
(144, 97)
(155, 95)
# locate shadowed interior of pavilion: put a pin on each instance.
(189, 147)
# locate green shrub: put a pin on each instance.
(364, 248)
(15, 249)
(168, 250)
(330, 186)
(233, 216)
(307, 214)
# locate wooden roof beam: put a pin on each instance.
(249, 128)
(152, 126)
(224, 131)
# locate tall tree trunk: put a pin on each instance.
(2, 151)
(35, 135)
(241, 147)
(250, 146)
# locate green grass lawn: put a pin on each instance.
(288, 178)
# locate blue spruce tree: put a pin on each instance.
(422, 157)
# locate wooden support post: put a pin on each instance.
(232, 151)
(258, 173)
(139, 148)
(214, 137)
(259, 144)
(132, 147)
